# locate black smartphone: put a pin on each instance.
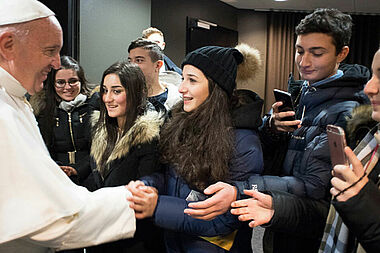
(287, 103)
(337, 142)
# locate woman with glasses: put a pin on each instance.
(63, 110)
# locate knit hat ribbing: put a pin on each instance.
(218, 63)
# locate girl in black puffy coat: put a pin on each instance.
(124, 146)
(63, 110)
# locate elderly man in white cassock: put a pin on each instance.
(41, 210)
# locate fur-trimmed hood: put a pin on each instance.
(146, 129)
(359, 124)
(38, 102)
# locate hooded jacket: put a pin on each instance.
(182, 232)
(306, 168)
(305, 218)
(134, 155)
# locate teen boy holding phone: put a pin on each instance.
(326, 96)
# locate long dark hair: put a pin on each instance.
(200, 143)
(133, 80)
(52, 99)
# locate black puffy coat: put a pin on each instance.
(361, 213)
(70, 141)
(135, 155)
(299, 222)
(305, 169)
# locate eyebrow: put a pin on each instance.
(52, 47)
(312, 48)
(317, 48)
(114, 86)
(192, 75)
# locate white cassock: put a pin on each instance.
(41, 210)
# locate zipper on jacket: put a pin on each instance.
(81, 117)
(71, 154)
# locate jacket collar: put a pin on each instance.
(146, 128)
(11, 85)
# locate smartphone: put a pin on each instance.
(337, 142)
(287, 103)
(196, 196)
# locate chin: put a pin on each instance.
(187, 109)
(37, 87)
(376, 116)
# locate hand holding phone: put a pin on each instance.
(285, 98)
(287, 104)
(337, 143)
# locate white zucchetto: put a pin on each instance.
(19, 11)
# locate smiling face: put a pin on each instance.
(38, 53)
(316, 56)
(372, 88)
(115, 98)
(194, 88)
(72, 85)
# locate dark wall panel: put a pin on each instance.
(67, 13)
(170, 17)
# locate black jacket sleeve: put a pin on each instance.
(361, 214)
(300, 216)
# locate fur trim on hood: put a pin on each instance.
(247, 70)
(359, 124)
(146, 129)
(38, 102)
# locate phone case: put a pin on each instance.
(287, 103)
(337, 142)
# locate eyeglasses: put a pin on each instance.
(60, 83)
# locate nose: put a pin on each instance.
(56, 62)
(182, 87)
(67, 86)
(107, 97)
(372, 86)
(305, 60)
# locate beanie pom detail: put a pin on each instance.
(250, 66)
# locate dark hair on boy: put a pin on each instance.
(155, 51)
(331, 22)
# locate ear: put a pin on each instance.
(159, 64)
(7, 45)
(163, 46)
(343, 54)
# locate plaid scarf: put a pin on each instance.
(335, 237)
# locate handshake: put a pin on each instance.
(143, 199)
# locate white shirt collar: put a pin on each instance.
(11, 85)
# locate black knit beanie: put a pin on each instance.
(218, 63)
